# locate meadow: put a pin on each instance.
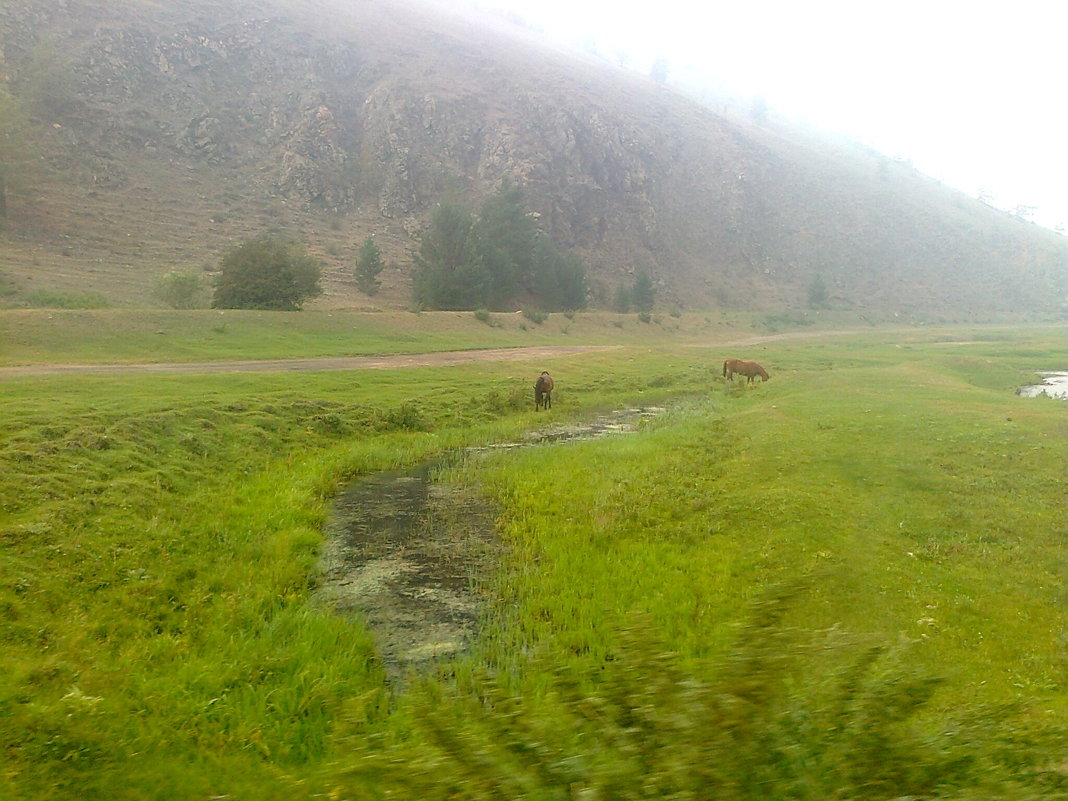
(847, 582)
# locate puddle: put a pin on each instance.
(407, 552)
(1054, 385)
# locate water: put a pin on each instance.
(408, 552)
(1054, 385)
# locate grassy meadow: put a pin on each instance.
(847, 582)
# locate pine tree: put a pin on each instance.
(643, 294)
(451, 274)
(369, 265)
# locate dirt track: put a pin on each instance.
(391, 362)
(388, 362)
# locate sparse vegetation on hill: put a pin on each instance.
(171, 131)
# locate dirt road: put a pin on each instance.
(391, 362)
(388, 362)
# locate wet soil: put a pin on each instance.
(411, 553)
(406, 553)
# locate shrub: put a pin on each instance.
(179, 289)
(267, 273)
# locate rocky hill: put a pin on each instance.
(169, 131)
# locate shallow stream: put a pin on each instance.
(409, 553)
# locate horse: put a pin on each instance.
(749, 369)
(543, 392)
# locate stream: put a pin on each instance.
(409, 553)
(1054, 385)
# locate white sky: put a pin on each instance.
(972, 92)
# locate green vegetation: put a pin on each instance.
(180, 289)
(369, 266)
(158, 335)
(818, 295)
(643, 293)
(267, 273)
(640, 296)
(488, 260)
(64, 299)
(844, 583)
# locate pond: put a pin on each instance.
(409, 553)
(1054, 385)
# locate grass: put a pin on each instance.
(39, 336)
(846, 582)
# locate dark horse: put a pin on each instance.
(543, 392)
(749, 369)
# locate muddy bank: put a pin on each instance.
(411, 553)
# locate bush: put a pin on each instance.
(179, 289)
(267, 273)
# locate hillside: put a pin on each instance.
(168, 132)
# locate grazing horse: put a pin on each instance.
(543, 392)
(749, 369)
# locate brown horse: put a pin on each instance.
(749, 369)
(543, 392)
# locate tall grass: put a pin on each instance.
(843, 583)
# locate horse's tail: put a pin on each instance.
(725, 368)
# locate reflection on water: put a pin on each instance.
(1054, 385)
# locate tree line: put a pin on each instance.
(492, 260)
(495, 258)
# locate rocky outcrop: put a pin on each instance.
(379, 110)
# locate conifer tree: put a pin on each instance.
(369, 265)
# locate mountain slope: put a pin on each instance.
(184, 127)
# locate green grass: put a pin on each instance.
(844, 583)
(38, 336)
